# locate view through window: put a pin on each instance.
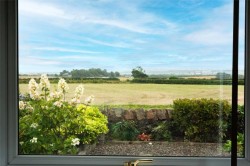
(137, 78)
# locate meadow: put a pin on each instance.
(147, 94)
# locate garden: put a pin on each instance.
(51, 123)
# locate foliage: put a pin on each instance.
(76, 80)
(50, 125)
(161, 132)
(93, 72)
(138, 72)
(65, 72)
(134, 106)
(240, 124)
(240, 145)
(184, 81)
(124, 130)
(223, 76)
(201, 120)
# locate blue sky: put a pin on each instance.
(118, 35)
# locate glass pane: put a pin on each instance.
(136, 78)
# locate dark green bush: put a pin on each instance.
(184, 81)
(240, 145)
(161, 132)
(124, 130)
(76, 80)
(201, 120)
(241, 122)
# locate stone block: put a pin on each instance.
(129, 115)
(140, 114)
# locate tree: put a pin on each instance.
(64, 72)
(138, 72)
(223, 76)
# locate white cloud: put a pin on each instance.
(215, 30)
(117, 44)
(209, 37)
(64, 50)
(34, 8)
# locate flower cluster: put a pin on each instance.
(62, 86)
(33, 140)
(34, 125)
(75, 141)
(55, 95)
(44, 82)
(89, 100)
(23, 105)
(58, 104)
(144, 137)
(78, 93)
(33, 87)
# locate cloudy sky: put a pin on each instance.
(118, 35)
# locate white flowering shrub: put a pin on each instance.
(50, 125)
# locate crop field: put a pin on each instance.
(147, 94)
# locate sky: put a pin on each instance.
(119, 35)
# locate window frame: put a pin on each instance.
(9, 101)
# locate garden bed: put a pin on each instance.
(157, 148)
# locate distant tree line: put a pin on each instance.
(89, 73)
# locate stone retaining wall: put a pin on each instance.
(119, 114)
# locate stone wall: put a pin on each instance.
(119, 114)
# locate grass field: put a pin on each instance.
(148, 94)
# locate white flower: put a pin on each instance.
(21, 143)
(79, 91)
(75, 141)
(56, 95)
(34, 95)
(22, 105)
(45, 107)
(33, 140)
(62, 85)
(75, 100)
(44, 81)
(29, 107)
(89, 99)
(33, 85)
(51, 145)
(34, 125)
(58, 104)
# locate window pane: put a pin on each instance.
(140, 78)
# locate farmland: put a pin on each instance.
(148, 94)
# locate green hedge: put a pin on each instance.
(75, 80)
(185, 81)
(200, 120)
(241, 122)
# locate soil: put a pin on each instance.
(139, 148)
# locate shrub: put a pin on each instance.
(161, 132)
(240, 145)
(50, 125)
(184, 81)
(240, 124)
(124, 130)
(201, 120)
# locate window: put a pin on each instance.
(14, 159)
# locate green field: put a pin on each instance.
(148, 94)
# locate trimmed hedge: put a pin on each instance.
(76, 80)
(200, 120)
(185, 81)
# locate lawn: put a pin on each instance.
(148, 94)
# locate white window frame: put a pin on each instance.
(9, 120)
